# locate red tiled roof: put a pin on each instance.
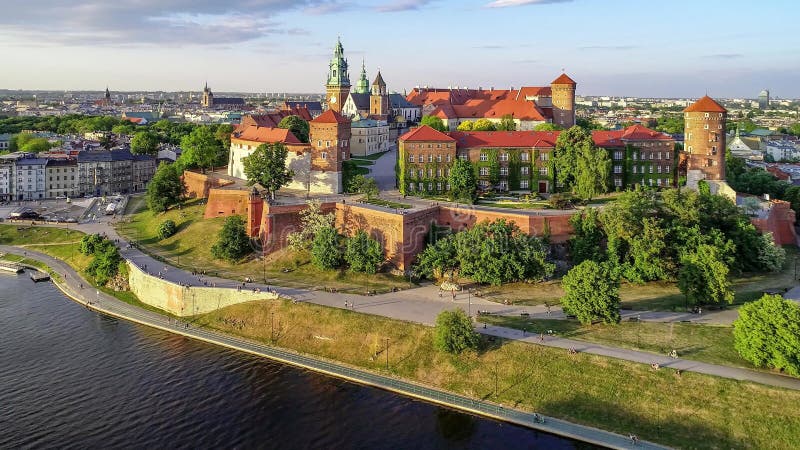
(331, 116)
(255, 133)
(520, 109)
(618, 138)
(425, 133)
(533, 91)
(705, 104)
(564, 79)
(473, 139)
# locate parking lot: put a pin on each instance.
(60, 210)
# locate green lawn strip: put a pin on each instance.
(190, 249)
(361, 162)
(371, 157)
(707, 343)
(688, 411)
(514, 205)
(387, 203)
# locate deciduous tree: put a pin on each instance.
(232, 241)
(767, 333)
(200, 149)
(267, 167)
(145, 143)
(297, 126)
(326, 251)
(591, 292)
(703, 277)
(454, 333)
(362, 253)
(463, 182)
(433, 122)
(165, 189)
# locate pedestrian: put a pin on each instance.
(523, 331)
(548, 308)
(541, 337)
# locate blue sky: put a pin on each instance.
(610, 47)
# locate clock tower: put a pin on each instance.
(338, 86)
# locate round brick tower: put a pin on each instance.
(705, 139)
(563, 92)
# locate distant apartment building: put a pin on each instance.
(63, 179)
(30, 179)
(369, 136)
(521, 161)
(114, 171)
(8, 173)
(5, 142)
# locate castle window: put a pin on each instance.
(447, 186)
(430, 186)
(544, 156)
(439, 173)
(430, 157)
(438, 186)
(543, 171)
(421, 186)
(633, 169)
(618, 169)
(659, 170)
(439, 158)
(448, 158)
(524, 170)
(705, 127)
(658, 181)
(410, 186)
(617, 154)
(706, 114)
(411, 157)
(713, 149)
(503, 156)
(651, 181)
(462, 156)
(484, 157)
(666, 169)
(324, 155)
(430, 172)
(344, 154)
(618, 182)
(523, 156)
(484, 171)
(504, 171)
(523, 184)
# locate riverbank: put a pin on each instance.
(108, 305)
(588, 389)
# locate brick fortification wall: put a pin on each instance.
(199, 184)
(779, 222)
(182, 301)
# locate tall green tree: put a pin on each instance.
(463, 182)
(297, 126)
(223, 134)
(326, 251)
(703, 277)
(593, 171)
(105, 263)
(200, 148)
(586, 241)
(232, 241)
(267, 167)
(454, 333)
(591, 292)
(312, 221)
(438, 260)
(570, 145)
(165, 189)
(145, 143)
(364, 185)
(433, 122)
(767, 333)
(362, 253)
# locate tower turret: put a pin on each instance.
(704, 135)
(338, 86)
(563, 92)
(378, 99)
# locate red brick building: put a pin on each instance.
(705, 139)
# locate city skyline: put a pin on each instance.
(616, 48)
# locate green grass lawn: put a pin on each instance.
(513, 205)
(653, 296)
(707, 343)
(372, 157)
(190, 249)
(386, 203)
(688, 411)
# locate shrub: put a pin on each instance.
(454, 332)
(232, 243)
(167, 229)
(591, 292)
(767, 333)
(325, 250)
(363, 254)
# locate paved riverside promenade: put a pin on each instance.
(106, 304)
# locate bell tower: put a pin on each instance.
(338, 86)
(378, 99)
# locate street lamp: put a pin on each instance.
(387, 353)
(272, 327)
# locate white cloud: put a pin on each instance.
(510, 3)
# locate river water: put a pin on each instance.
(73, 378)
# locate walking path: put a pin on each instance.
(101, 302)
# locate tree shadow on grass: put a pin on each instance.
(682, 430)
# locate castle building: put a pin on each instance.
(520, 161)
(338, 86)
(528, 106)
(704, 136)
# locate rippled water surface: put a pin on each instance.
(72, 378)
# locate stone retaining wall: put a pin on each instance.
(186, 301)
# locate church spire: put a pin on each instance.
(337, 71)
(362, 87)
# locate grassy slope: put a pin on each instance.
(190, 248)
(712, 344)
(692, 410)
